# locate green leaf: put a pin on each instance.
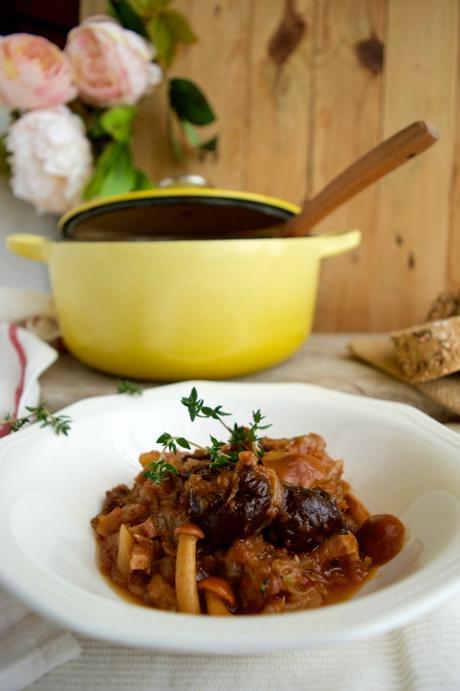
(127, 16)
(180, 26)
(60, 423)
(164, 438)
(157, 471)
(183, 442)
(114, 172)
(118, 122)
(162, 37)
(4, 165)
(148, 8)
(191, 134)
(143, 181)
(93, 126)
(129, 387)
(189, 102)
(210, 145)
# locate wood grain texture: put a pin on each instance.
(218, 63)
(345, 123)
(410, 250)
(279, 98)
(379, 161)
(304, 87)
(453, 265)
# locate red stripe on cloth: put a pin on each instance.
(13, 334)
(15, 342)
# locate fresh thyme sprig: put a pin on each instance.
(59, 423)
(171, 443)
(218, 457)
(197, 408)
(221, 453)
(239, 435)
(129, 387)
(157, 471)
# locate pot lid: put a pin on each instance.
(175, 213)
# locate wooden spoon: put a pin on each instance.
(178, 221)
(379, 161)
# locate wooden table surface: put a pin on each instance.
(323, 360)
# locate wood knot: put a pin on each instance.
(371, 54)
(287, 35)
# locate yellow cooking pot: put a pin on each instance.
(167, 309)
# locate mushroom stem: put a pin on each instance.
(125, 548)
(215, 605)
(186, 586)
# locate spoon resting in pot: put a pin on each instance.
(181, 213)
(382, 159)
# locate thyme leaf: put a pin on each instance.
(129, 387)
(59, 423)
(197, 408)
(221, 454)
(171, 443)
(220, 459)
(158, 471)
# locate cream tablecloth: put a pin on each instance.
(424, 656)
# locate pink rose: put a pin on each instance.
(111, 65)
(34, 73)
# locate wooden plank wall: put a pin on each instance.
(302, 88)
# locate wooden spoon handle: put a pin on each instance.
(379, 161)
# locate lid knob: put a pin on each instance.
(192, 180)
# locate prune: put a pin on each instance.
(306, 517)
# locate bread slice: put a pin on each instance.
(447, 304)
(428, 351)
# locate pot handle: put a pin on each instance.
(29, 246)
(330, 244)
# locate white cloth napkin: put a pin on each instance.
(29, 645)
(23, 357)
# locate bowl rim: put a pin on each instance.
(391, 607)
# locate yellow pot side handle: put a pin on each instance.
(330, 244)
(28, 246)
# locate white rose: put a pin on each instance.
(50, 158)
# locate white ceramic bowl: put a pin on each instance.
(397, 459)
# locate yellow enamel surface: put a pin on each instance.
(32, 247)
(185, 309)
